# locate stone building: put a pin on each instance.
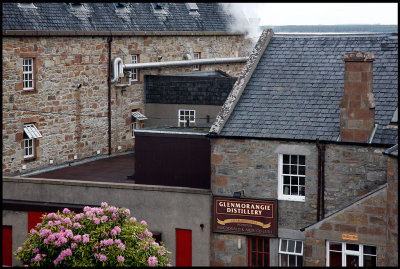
(305, 126)
(73, 73)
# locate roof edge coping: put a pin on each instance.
(241, 82)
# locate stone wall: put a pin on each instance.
(252, 165)
(365, 218)
(74, 120)
(392, 247)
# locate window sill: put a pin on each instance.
(29, 91)
(292, 199)
(29, 159)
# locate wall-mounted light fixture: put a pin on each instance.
(238, 194)
(202, 226)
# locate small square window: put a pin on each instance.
(185, 116)
(290, 253)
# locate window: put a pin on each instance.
(292, 176)
(196, 56)
(258, 251)
(185, 117)
(28, 78)
(136, 117)
(30, 134)
(350, 255)
(290, 253)
(134, 75)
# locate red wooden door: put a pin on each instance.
(34, 218)
(7, 246)
(183, 247)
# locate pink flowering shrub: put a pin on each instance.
(100, 236)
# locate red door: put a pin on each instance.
(183, 247)
(7, 246)
(34, 218)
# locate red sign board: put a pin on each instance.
(245, 216)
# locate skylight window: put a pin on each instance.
(159, 7)
(192, 6)
(78, 5)
(26, 5)
(121, 7)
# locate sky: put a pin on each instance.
(321, 13)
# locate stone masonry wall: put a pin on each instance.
(72, 120)
(366, 218)
(252, 165)
(351, 171)
(392, 247)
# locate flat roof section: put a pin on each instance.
(112, 169)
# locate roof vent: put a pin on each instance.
(77, 5)
(26, 5)
(192, 7)
(159, 7)
(121, 6)
(395, 118)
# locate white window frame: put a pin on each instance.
(32, 133)
(344, 251)
(134, 75)
(290, 253)
(281, 195)
(135, 125)
(28, 74)
(184, 111)
(196, 56)
(29, 148)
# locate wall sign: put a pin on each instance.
(350, 237)
(245, 216)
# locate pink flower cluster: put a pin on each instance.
(101, 257)
(152, 261)
(116, 230)
(120, 259)
(63, 254)
(107, 242)
(148, 233)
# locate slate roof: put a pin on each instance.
(296, 88)
(194, 90)
(60, 16)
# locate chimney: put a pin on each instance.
(357, 108)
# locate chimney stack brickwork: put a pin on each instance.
(357, 108)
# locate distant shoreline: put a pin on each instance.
(339, 28)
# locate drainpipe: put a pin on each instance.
(119, 66)
(319, 179)
(109, 40)
(322, 181)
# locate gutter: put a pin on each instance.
(119, 66)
